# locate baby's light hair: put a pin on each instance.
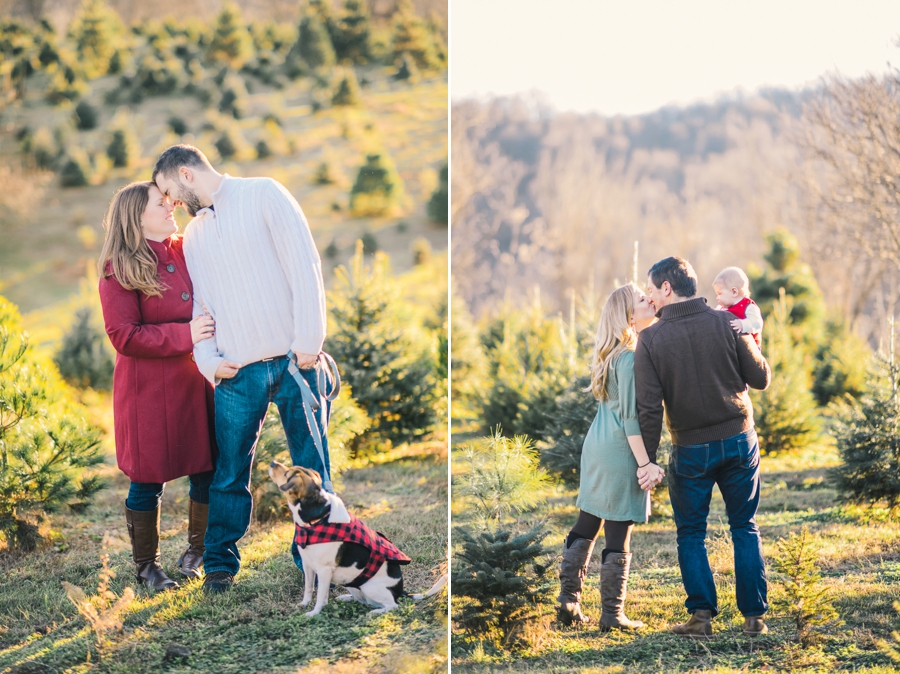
(734, 277)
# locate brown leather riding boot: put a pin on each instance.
(192, 559)
(572, 571)
(699, 625)
(613, 590)
(143, 530)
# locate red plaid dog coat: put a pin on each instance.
(380, 548)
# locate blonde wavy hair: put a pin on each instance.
(133, 261)
(614, 337)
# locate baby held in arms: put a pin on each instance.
(733, 294)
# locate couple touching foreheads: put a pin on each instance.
(669, 351)
(229, 305)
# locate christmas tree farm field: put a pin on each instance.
(259, 626)
(856, 551)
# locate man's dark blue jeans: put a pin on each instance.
(241, 405)
(733, 464)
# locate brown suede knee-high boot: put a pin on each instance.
(192, 559)
(143, 530)
(613, 590)
(572, 571)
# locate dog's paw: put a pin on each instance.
(344, 597)
(313, 613)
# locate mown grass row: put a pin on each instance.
(858, 552)
(258, 627)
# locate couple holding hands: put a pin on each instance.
(670, 348)
(230, 305)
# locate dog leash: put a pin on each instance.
(311, 405)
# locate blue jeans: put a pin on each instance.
(733, 464)
(145, 496)
(241, 405)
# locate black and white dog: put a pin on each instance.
(338, 548)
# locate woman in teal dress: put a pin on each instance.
(613, 458)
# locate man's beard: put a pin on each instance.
(190, 200)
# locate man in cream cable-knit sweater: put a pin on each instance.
(255, 269)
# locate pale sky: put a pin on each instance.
(634, 56)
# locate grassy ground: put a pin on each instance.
(859, 556)
(258, 627)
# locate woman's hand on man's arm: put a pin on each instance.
(202, 327)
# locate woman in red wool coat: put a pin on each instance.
(162, 405)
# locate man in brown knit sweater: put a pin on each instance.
(694, 364)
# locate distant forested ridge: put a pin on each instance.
(553, 197)
(551, 201)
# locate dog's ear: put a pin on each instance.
(313, 505)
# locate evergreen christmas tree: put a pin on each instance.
(42, 148)
(65, 85)
(76, 169)
(86, 116)
(96, 32)
(407, 70)
(412, 36)
(421, 251)
(231, 143)
(231, 43)
(565, 433)
(806, 599)
(785, 413)
(500, 580)
(325, 174)
(469, 363)
(378, 189)
(48, 450)
(313, 48)
(123, 147)
(501, 476)
(530, 363)
(84, 358)
(439, 204)
(351, 34)
(786, 271)
(380, 353)
(868, 440)
(234, 95)
(347, 92)
(837, 366)
(178, 126)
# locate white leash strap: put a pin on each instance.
(327, 371)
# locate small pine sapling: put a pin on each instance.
(806, 600)
(500, 581)
(868, 441)
(501, 476)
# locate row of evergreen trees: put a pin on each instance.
(526, 371)
(160, 57)
(216, 64)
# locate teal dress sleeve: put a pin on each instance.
(627, 399)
